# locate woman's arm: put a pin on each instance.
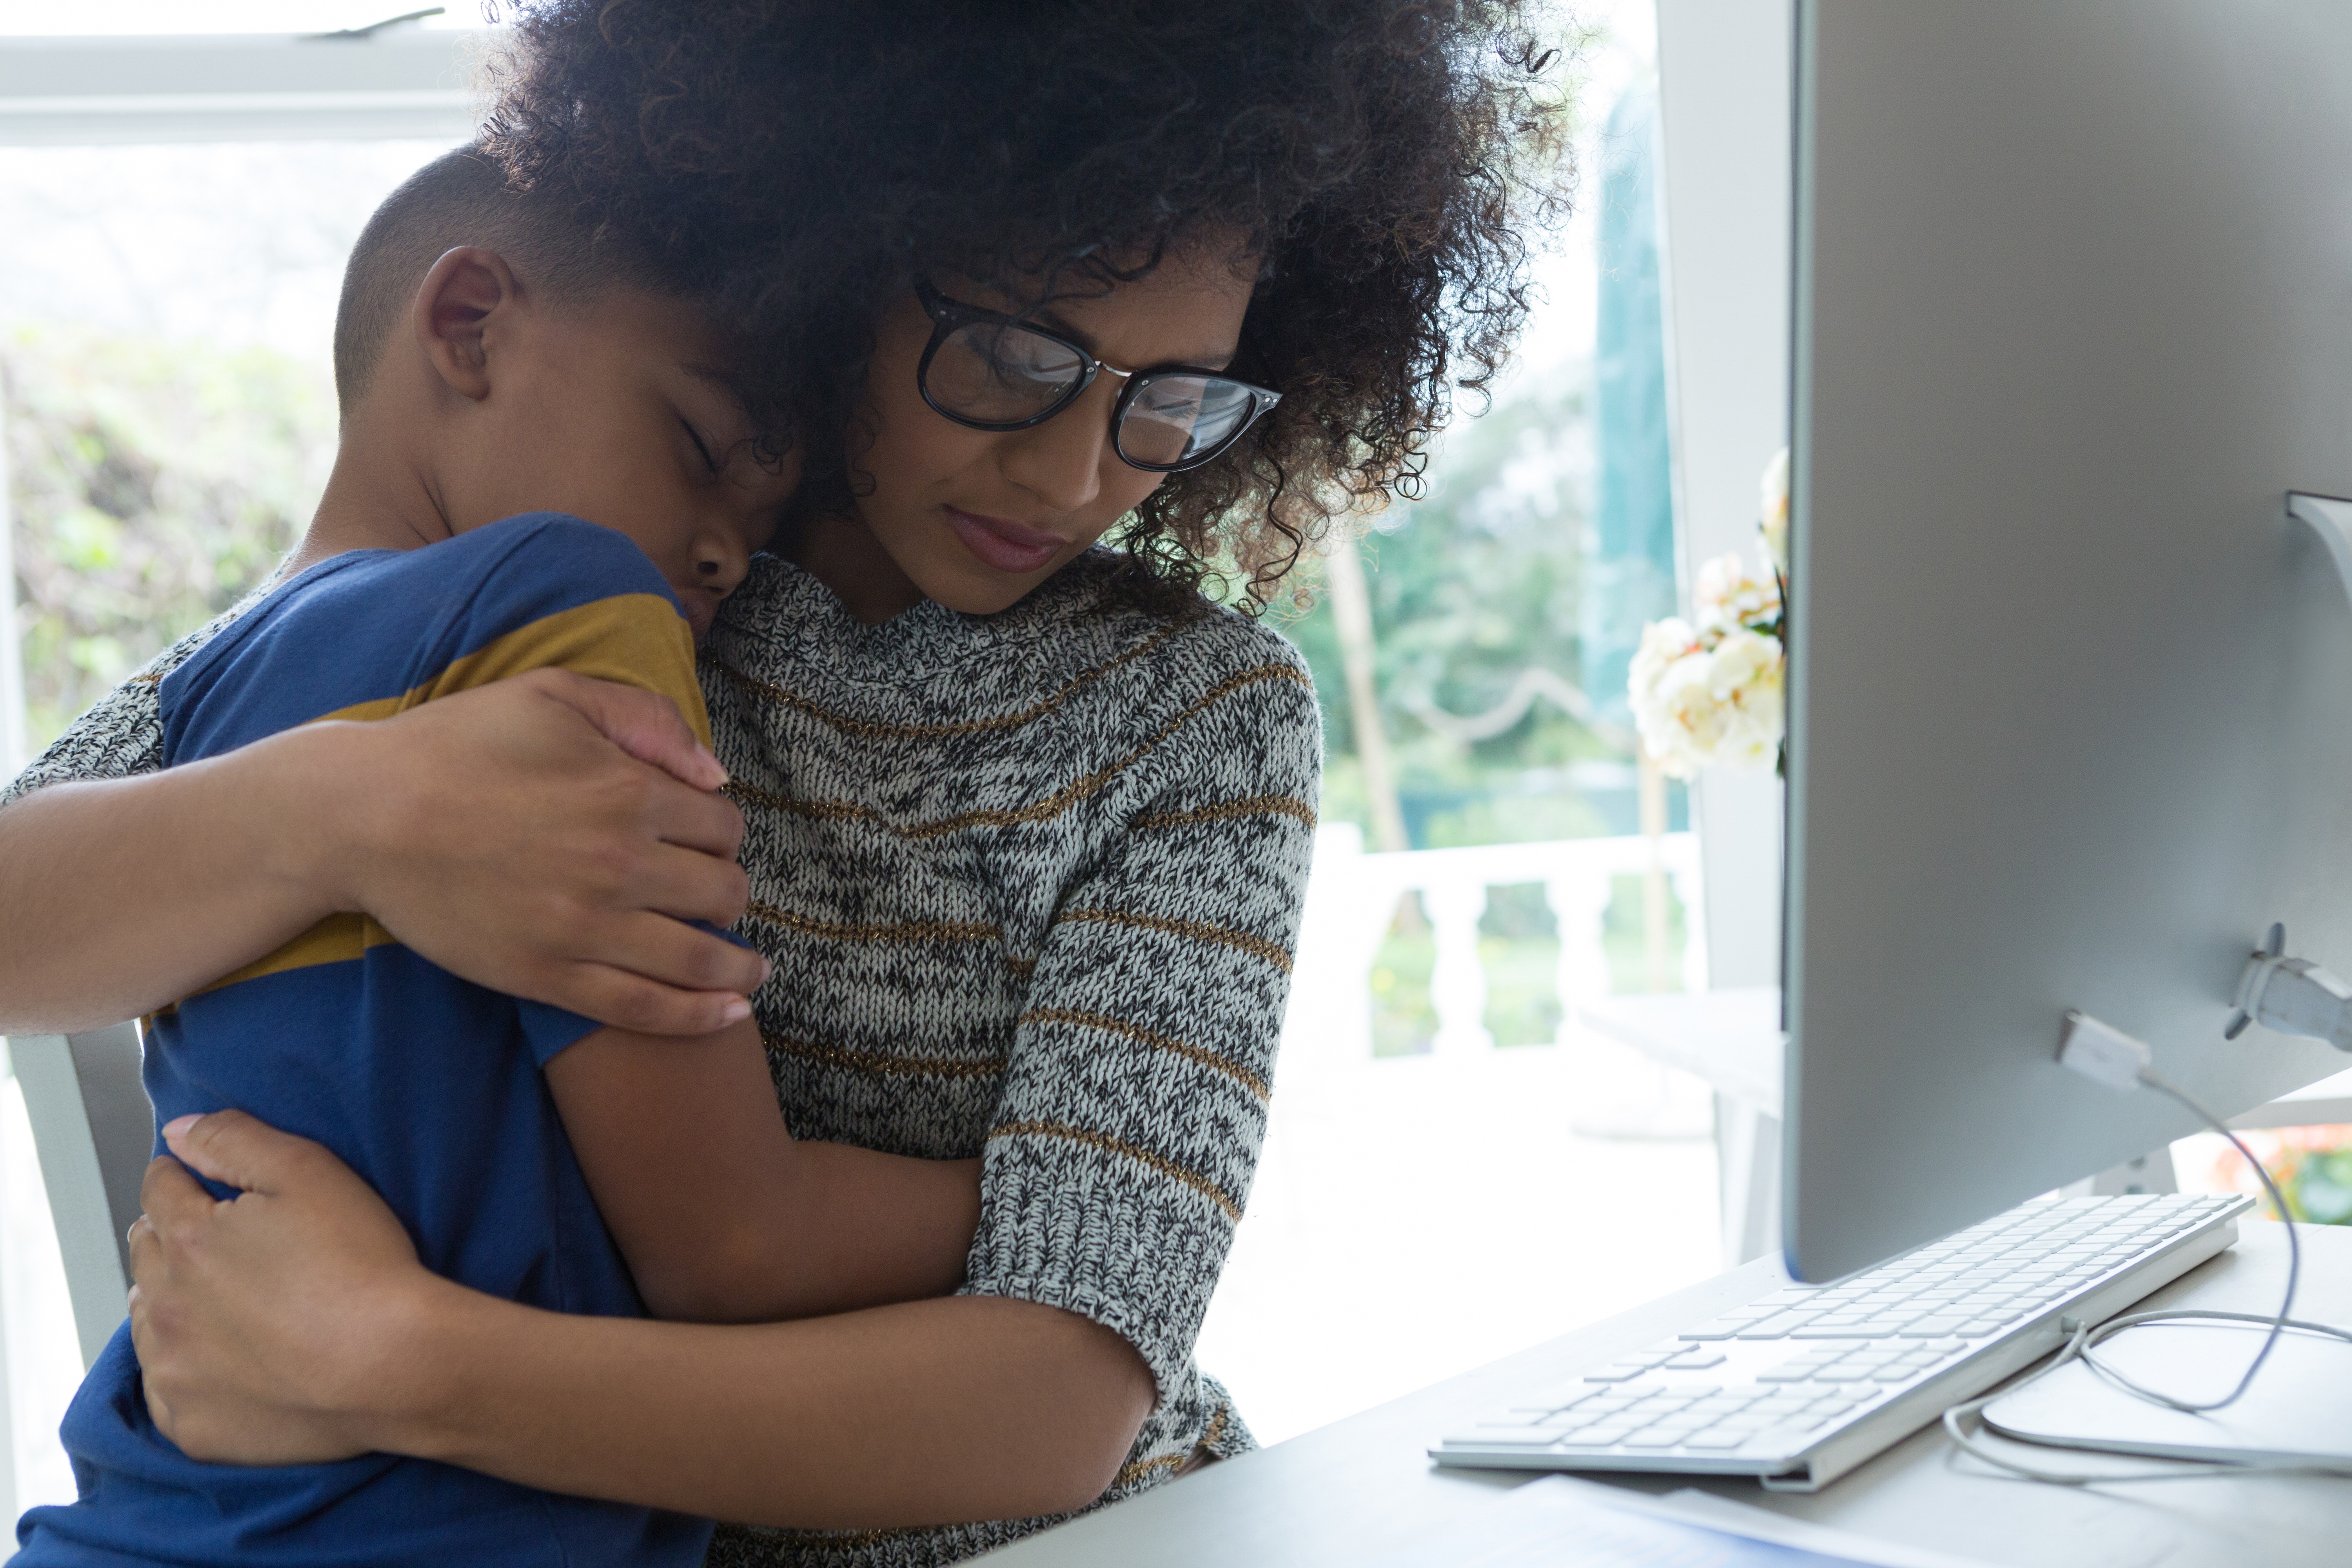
(722, 1215)
(294, 1323)
(532, 837)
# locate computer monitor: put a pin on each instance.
(2071, 696)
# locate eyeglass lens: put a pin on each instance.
(999, 374)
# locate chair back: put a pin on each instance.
(94, 1131)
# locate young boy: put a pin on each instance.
(541, 468)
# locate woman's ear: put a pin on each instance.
(465, 292)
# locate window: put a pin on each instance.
(178, 210)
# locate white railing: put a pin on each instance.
(1351, 903)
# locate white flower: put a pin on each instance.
(1747, 679)
(1728, 598)
(1701, 700)
(1773, 516)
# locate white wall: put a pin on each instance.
(1724, 75)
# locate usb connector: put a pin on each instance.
(2103, 1054)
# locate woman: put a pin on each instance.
(1026, 821)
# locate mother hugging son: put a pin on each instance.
(713, 943)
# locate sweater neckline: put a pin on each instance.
(781, 606)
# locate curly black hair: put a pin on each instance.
(791, 162)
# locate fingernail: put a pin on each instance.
(178, 1126)
(735, 1011)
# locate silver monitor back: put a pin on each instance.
(2071, 715)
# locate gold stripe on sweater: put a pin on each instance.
(1227, 810)
(784, 697)
(874, 931)
(1157, 1041)
(1131, 1473)
(1053, 806)
(1120, 1146)
(882, 1062)
(1201, 930)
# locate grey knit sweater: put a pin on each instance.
(1031, 883)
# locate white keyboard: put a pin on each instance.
(1800, 1386)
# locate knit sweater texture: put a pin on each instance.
(1031, 884)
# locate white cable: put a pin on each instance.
(2082, 1339)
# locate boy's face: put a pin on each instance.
(614, 410)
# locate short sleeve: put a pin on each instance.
(1134, 1109)
(121, 735)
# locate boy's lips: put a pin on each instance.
(1006, 546)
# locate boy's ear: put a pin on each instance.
(466, 291)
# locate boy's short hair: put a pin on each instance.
(463, 197)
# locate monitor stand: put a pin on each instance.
(2330, 518)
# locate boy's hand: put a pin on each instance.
(548, 836)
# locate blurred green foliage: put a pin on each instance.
(2317, 1185)
(1471, 586)
(151, 485)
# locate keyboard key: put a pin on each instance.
(1721, 1329)
(1717, 1439)
(1983, 1326)
(1843, 1375)
(1776, 1327)
(1932, 1328)
(1597, 1437)
(1616, 1374)
(1511, 1436)
(1695, 1360)
(1659, 1437)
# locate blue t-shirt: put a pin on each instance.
(426, 1085)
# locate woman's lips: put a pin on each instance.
(1006, 546)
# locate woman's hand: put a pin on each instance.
(537, 835)
(271, 1327)
(534, 836)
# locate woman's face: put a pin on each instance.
(975, 518)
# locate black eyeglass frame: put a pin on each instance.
(948, 316)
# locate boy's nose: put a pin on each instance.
(721, 561)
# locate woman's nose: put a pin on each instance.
(1060, 462)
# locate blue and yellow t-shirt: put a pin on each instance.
(428, 1086)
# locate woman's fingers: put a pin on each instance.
(263, 1323)
(232, 1148)
(630, 1002)
(513, 836)
(642, 723)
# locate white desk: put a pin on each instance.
(1362, 1487)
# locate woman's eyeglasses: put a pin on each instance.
(992, 372)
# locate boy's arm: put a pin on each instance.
(723, 1217)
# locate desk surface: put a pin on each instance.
(1350, 1491)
